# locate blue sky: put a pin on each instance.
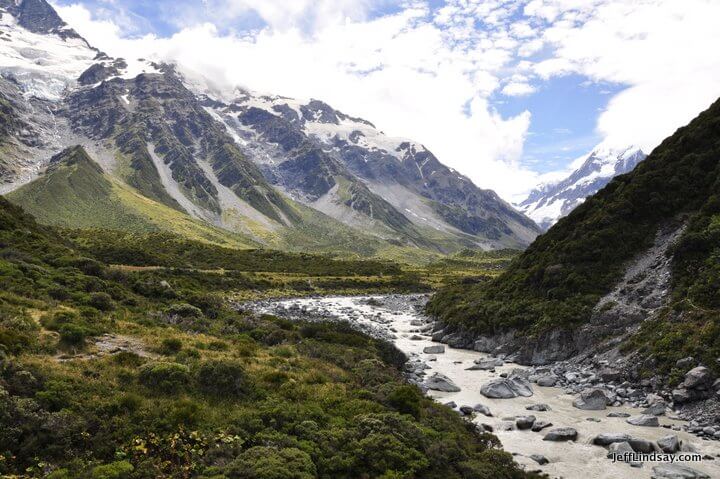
(508, 92)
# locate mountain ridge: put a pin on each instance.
(251, 165)
(549, 202)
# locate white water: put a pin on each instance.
(575, 459)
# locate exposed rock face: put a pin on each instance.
(506, 388)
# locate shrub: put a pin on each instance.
(115, 470)
(170, 346)
(223, 378)
(165, 377)
(406, 399)
(272, 463)
(73, 335)
(184, 310)
(101, 301)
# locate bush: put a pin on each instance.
(170, 346)
(184, 310)
(223, 378)
(406, 399)
(165, 377)
(101, 301)
(115, 470)
(272, 463)
(73, 335)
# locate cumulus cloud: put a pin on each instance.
(432, 74)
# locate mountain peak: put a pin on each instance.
(38, 16)
(549, 202)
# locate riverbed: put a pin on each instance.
(397, 319)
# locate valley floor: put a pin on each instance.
(399, 319)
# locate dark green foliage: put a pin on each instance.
(560, 277)
(250, 397)
(170, 346)
(165, 249)
(272, 463)
(167, 378)
(225, 379)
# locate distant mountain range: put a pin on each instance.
(549, 202)
(266, 170)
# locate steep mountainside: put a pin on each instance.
(550, 202)
(282, 173)
(642, 251)
(305, 147)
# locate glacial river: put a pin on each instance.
(573, 459)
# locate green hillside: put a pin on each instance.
(558, 280)
(148, 373)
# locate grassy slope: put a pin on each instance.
(223, 395)
(75, 193)
(561, 276)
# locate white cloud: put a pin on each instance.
(415, 72)
(515, 88)
(400, 71)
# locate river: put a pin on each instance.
(394, 318)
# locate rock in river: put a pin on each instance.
(525, 422)
(593, 399)
(435, 349)
(605, 439)
(440, 382)
(539, 458)
(669, 444)
(643, 420)
(482, 409)
(677, 471)
(561, 434)
(506, 388)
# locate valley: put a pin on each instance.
(400, 320)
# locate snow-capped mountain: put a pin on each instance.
(549, 202)
(277, 170)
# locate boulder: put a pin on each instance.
(643, 420)
(435, 349)
(656, 409)
(451, 404)
(669, 444)
(618, 414)
(467, 410)
(482, 409)
(684, 363)
(440, 382)
(525, 422)
(677, 471)
(606, 438)
(609, 374)
(538, 407)
(619, 449)
(641, 445)
(540, 425)
(506, 388)
(682, 395)
(561, 434)
(593, 399)
(698, 378)
(539, 458)
(547, 380)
